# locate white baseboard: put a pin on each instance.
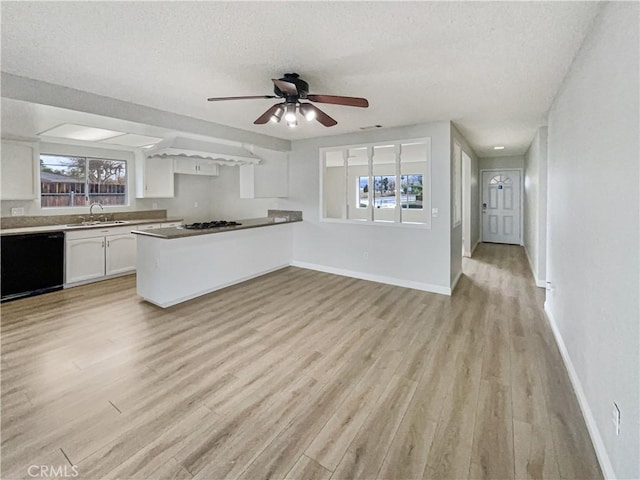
(427, 287)
(185, 298)
(594, 433)
(538, 282)
(455, 281)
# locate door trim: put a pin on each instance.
(481, 189)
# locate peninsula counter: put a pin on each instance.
(175, 264)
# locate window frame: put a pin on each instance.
(397, 222)
(87, 160)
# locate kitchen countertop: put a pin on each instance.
(64, 228)
(176, 232)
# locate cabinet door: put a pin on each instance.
(84, 259)
(206, 167)
(18, 164)
(121, 253)
(185, 166)
(158, 174)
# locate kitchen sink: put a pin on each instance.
(98, 224)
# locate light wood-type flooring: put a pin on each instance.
(297, 374)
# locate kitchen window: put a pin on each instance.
(377, 183)
(72, 181)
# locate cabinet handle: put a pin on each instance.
(107, 243)
(102, 243)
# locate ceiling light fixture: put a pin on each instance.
(277, 115)
(292, 123)
(307, 111)
(290, 116)
(498, 148)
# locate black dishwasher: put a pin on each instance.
(31, 264)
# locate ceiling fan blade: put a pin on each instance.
(336, 100)
(218, 99)
(266, 116)
(286, 87)
(321, 117)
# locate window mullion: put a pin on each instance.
(345, 175)
(371, 185)
(86, 179)
(397, 217)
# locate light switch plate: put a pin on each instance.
(17, 211)
(434, 212)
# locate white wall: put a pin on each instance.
(535, 206)
(593, 221)
(487, 163)
(225, 191)
(409, 256)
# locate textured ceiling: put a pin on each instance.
(491, 67)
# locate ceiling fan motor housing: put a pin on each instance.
(301, 85)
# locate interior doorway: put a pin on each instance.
(501, 206)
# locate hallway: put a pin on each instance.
(296, 374)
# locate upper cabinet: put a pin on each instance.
(19, 163)
(154, 177)
(190, 166)
(269, 179)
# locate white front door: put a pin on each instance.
(501, 207)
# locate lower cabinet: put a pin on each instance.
(120, 254)
(84, 259)
(91, 254)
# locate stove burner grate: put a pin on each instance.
(211, 224)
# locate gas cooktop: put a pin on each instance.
(211, 224)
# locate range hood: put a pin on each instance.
(219, 153)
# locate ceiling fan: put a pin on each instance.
(291, 88)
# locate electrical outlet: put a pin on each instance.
(366, 255)
(195, 204)
(17, 211)
(434, 212)
(615, 418)
(154, 205)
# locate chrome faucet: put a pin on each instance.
(93, 205)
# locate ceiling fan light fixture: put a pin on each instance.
(277, 115)
(290, 116)
(308, 113)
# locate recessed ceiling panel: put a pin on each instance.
(80, 132)
(133, 140)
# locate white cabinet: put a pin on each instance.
(120, 254)
(154, 177)
(94, 253)
(84, 259)
(18, 164)
(270, 179)
(190, 166)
